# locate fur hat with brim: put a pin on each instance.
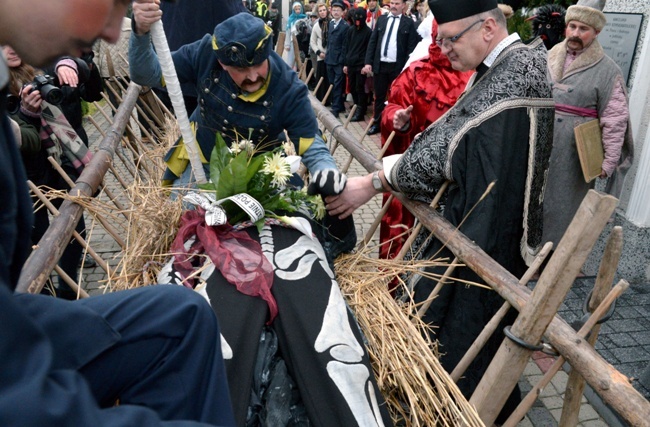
(242, 41)
(588, 12)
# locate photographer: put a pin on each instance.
(78, 78)
(28, 91)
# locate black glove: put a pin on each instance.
(327, 182)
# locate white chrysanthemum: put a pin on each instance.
(278, 168)
(318, 207)
(246, 145)
(235, 148)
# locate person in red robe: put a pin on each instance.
(417, 97)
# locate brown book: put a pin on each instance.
(589, 142)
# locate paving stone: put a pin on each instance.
(641, 337)
(623, 340)
(556, 414)
(626, 325)
(587, 413)
(560, 380)
(525, 423)
(542, 417)
(625, 355)
(553, 402)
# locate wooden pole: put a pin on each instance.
(67, 179)
(492, 325)
(606, 272)
(75, 234)
(279, 46)
(434, 293)
(510, 361)
(36, 270)
(525, 405)
(73, 285)
(159, 41)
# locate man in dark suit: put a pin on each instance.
(391, 43)
(335, 55)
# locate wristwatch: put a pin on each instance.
(376, 182)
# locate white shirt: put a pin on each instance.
(391, 54)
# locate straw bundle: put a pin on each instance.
(417, 389)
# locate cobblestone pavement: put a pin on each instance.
(624, 340)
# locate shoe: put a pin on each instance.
(335, 112)
(358, 117)
(374, 129)
(88, 261)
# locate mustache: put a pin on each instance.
(251, 82)
(575, 40)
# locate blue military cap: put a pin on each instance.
(242, 40)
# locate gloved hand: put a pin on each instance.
(327, 182)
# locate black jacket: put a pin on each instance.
(407, 39)
(356, 45)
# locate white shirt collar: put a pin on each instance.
(500, 47)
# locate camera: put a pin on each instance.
(13, 104)
(45, 85)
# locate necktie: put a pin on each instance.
(390, 32)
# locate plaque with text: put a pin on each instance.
(619, 38)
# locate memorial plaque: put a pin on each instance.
(619, 38)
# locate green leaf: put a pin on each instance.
(259, 224)
(219, 159)
(208, 186)
(232, 177)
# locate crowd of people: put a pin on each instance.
(469, 103)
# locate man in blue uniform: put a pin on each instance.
(68, 363)
(243, 94)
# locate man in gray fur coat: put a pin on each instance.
(587, 85)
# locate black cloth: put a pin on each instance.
(308, 300)
(446, 11)
(356, 45)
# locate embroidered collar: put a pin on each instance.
(514, 37)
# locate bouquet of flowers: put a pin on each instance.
(249, 183)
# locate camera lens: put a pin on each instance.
(52, 94)
(13, 104)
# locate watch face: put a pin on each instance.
(376, 182)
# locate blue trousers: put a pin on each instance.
(337, 79)
(156, 347)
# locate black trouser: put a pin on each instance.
(321, 71)
(388, 71)
(69, 260)
(358, 88)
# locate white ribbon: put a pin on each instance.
(216, 215)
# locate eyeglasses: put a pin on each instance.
(448, 41)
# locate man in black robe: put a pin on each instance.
(499, 131)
